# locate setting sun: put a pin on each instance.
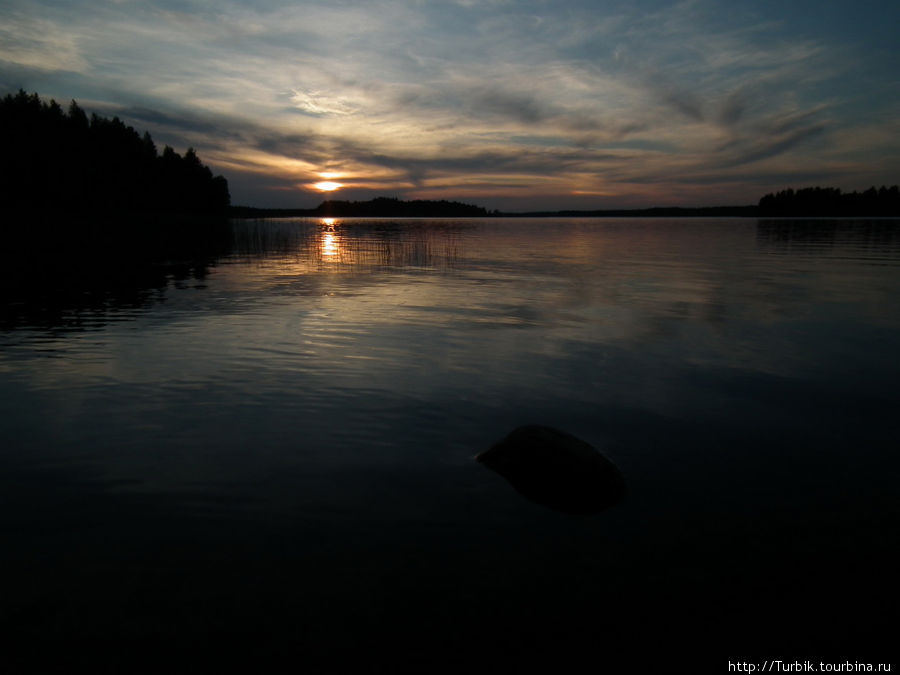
(327, 186)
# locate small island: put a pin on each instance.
(380, 207)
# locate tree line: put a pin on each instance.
(819, 201)
(379, 207)
(392, 207)
(64, 163)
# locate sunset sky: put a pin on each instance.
(511, 105)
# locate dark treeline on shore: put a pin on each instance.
(61, 169)
(802, 203)
(389, 207)
(380, 207)
(831, 202)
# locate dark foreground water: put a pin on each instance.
(264, 461)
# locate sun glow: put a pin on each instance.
(327, 186)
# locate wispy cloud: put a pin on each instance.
(39, 43)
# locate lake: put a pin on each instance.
(265, 459)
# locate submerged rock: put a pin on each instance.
(556, 469)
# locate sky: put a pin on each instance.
(514, 105)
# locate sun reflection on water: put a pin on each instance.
(329, 239)
(329, 244)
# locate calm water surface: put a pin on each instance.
(267, 458)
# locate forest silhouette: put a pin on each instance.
(831, 202)
(63, 166)
(380, 207)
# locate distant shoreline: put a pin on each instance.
(812, 202)
(359, 210)
(245, 212)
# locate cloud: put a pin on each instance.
(776, 146)
(683, 102)
(321, 103)
(182, 122)
(39, 43)
(732, 109)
